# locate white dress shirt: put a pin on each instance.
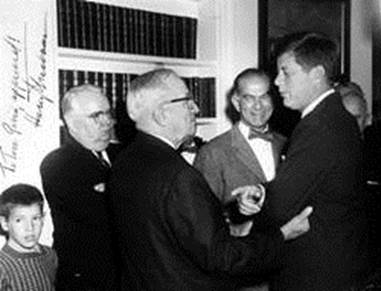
(263, 151)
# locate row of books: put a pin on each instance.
(108, 28)
(115, 87)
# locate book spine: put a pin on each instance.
(99, 26)
(137, 35)
(142, 33)
(69, 21)
(105, 29)
(124, 28)
(81, 78)
(84, 25)
(131, 31)
(75, 24)
(61, 23)
(111, 34)
(193, 38)
(118, 31)
(153, 29)
(91, 78)
(148, 32)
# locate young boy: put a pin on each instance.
(24, 263)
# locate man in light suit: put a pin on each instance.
(249, 152)
(323, 168)
(74, 180)
(171, 231)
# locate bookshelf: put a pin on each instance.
(116, 40)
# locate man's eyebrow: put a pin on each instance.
(262, 95)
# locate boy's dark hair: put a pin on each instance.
(19, 195)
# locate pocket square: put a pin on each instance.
(101, 187)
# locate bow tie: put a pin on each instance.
(267, 135)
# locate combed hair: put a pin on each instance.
(311, 49)
(146, 91)
(72, 93)
(245, 74)
(19, 195)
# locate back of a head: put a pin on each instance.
(354, 102)
(146, 92)
(349, 88)
(311, 49)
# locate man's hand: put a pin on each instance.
(250, 198)
(297, 225)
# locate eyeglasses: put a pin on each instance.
(190, 102)
(101, 116)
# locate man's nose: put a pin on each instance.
(194, 107)
(278, 80)
(257, 104)
(29, 226)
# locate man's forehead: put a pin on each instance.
(255, 80)
(176, 86)
(90, 101)
(287, 58)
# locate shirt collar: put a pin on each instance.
(316, 102)
(245, 129)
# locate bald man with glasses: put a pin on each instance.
(169, 224)
(74, 180)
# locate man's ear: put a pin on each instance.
(235, 102)
(4, 223)
(160, 115)
(318, 72)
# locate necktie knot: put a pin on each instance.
(102, 160)
(265, 135)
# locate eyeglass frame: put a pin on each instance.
(96, 116)
(187, 98)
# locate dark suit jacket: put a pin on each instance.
(172, 233)
(323, 169)
(228, 162)
(74, 184)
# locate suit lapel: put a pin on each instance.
(276, 149)
(244, 153)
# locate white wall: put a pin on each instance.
(28, 104)
(361, 46)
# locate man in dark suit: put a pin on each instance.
(323, 168)
(74, 181)
(171, 231)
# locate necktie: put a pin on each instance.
(267, 135)
(102, 160)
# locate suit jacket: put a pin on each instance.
(171, 230)
(323, 168)
(74, 182)
(228, 162)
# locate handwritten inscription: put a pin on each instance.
(27, 100)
